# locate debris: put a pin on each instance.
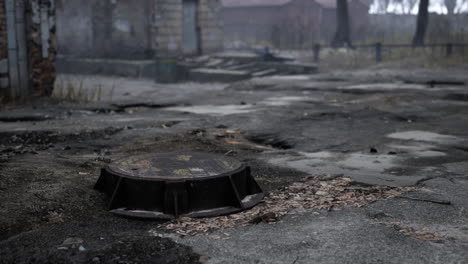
(81, 248)
(426, 200)
(55, 217)
(197, 132)
(266, 218)
(235, 137)
(295, 261)
(203, 259)
(334, 195)
(373, 150)
(73, 242)
(407, 230)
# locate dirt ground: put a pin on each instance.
(389, 147)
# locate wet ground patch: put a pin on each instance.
(24, 118)
(433, 83)
(457, 97)
(46, 137)
(123, 242)
(139, 107)
(270, 140)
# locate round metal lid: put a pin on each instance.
(175, 166)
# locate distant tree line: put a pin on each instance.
(342, 36)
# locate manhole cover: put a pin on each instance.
(171, 185)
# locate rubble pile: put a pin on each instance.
(312, 193)
(237, 66)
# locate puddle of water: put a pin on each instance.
(130, 119)
(424, 136)
(457, 167)
(364, 168)
(318, 155)
(290, 77)
(419, 150)
(286, 100)
(309, 162)
(377, 163)
(384, 86)
(300, 164)
(214, 110)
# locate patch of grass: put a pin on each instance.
(70, 91)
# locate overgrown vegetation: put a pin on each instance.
(69, 91)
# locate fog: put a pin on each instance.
(233, 131)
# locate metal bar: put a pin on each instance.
(378, 52)
(449, 47)
(45, 31)
(22, 48)
(12, 48)
(236, 192)
(316, 52)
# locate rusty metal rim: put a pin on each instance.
(172, 178)
(145, 214)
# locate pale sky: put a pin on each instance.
(404, 7)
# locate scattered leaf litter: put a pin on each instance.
(312, 193)
(435, 236)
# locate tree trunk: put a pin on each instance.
(421, 23)
(342, 35)
(450, 4)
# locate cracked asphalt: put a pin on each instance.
(376, 126)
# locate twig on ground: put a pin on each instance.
(445, 202)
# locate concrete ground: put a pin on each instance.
(399, 128)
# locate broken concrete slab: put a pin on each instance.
(27, 117)
(427, 136)
(264, 73)
(217, 75)
(321, 237)
(292, 67)
(214, 110)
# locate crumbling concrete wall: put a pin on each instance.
(211, 25)
(168, 23)
(74, 27)
(4, 82)
(42, 46)
(167, 27)
(138, 30)
(27, 48)
(118, 29)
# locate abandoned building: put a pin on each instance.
(27, 48)
(287, 23)
(136, 30)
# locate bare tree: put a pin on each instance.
(421, 23)
(342, 35)
(450, 4)
(412, 4)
